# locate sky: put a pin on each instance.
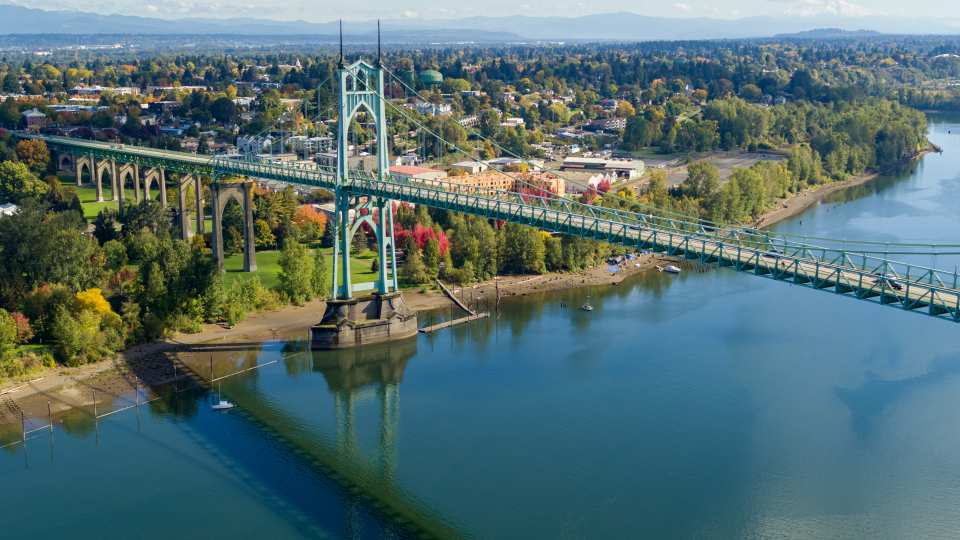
(326, 10)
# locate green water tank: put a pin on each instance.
(431, 77)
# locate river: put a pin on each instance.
(711, 404)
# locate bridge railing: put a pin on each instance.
(774, 247)
(325, 177)
(769, 244)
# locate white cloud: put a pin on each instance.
(683, 7)
(409, 14)
(810, 8)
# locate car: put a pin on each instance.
(884, 281)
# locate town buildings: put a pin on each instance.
(627, 169)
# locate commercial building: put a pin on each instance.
(622, 168)
(96, 90)
(488, 183)
(411, 172)
(470, 167)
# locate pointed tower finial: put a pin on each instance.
(379, 57)
(341, 43)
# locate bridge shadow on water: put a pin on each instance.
(876, 396)
(344, 491)
(320, 483)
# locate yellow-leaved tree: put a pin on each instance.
(93, 300)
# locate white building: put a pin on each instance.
(622, 168)
(502, 163)
(312, 145)
(433, 109)
(96, 90)
(407, 160)
(253, 144)
(470, 167)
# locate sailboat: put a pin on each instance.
(222, 404)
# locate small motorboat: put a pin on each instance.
(586, 307)
(670, 269)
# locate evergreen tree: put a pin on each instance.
(414, 271)
(320, 280)
(297, 280)
(329, 238)
(431, 258)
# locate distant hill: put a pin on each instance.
(830, 33)
(20, 20)
(623, 26)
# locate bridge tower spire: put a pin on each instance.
(361, 87)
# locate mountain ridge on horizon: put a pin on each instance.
(614, 26)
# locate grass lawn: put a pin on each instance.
(268, 266)
(88, 200)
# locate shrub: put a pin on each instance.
(41, 304)
(24, 330)
(8, 332)
(16, 364)
(116, 254)
(93, 300)
(78, 339)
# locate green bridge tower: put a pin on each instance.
(361, 88)
(376, 313)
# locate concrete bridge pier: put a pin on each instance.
(116, 186)
(183, 185)
(79, 163)
(66, 162)
(106, 166)
(243, 194)
(158, 175)
(184, 181)
(198, 201)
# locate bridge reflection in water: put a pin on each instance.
(350, 373)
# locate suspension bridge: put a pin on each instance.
(865, 271)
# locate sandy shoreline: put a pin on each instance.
(117, 379)
(800, 202)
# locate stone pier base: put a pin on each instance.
(361, 321)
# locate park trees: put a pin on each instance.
(37, 248)
(703, 179)
(521, 250)
(17, 183)
(34, 154)
(414, 271)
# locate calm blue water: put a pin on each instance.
(711, 404)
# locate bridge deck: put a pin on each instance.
(927, 293)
